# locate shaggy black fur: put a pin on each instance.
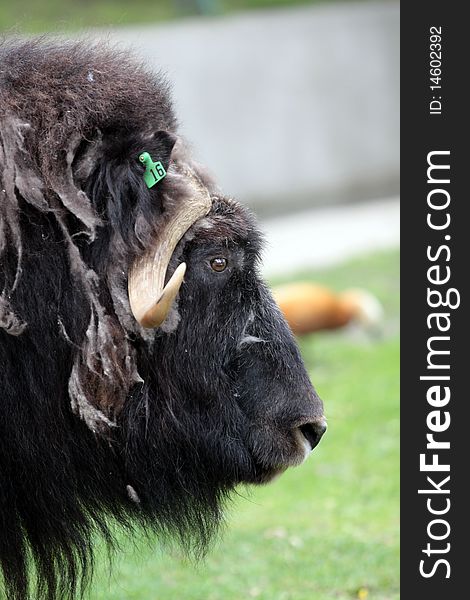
(99, 418)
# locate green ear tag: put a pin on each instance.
(154, 171)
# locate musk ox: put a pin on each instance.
(145, 370)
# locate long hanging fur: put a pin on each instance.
(47, 129)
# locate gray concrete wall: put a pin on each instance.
(287, 107)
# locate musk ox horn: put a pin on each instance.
(149, 298)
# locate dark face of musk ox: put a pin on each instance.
(229, 386)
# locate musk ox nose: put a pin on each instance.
(312, 432)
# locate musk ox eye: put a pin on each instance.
(218, 264)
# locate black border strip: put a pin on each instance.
(422, 133)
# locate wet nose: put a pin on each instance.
(313, 431)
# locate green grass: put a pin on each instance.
(328, 530)
(33, 16)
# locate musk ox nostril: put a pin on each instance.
(313, 432)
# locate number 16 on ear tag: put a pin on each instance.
(154, 171)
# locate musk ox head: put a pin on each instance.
(145, 368)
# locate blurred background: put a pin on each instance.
(293, 106)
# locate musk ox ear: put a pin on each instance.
(112, 177)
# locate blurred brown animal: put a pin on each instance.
(310, 307)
